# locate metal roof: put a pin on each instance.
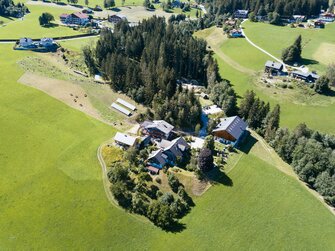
(161, 125)
(235, 126)
(126, 104)
(274, 65)
(125, 139)
(121, 109)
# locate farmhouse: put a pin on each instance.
(47, 42)
(157, 159)
(157, 129)
(213, 109)
(319, 24)
(77, 18)
(125, 140)
(232, 130)
(169, 152)
(26, 42)
(309, 77)
(299, 18)
(241, 14)
(236, 33)
(327, 17)
(116, 18)
(274, 68)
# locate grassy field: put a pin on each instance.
(241, 63)
(52, 195)
(30, 27)
(315, 41)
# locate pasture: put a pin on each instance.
(53, 197)
(275, 38)
(242, 63)
(29, 26)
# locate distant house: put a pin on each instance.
(46, 42)
(77, 18)
(241, 14)
(26, 42)
(157, 129)
(309, 77)
(125, 140)
(319, 24)
(213, 109)
(116, 18)
(299, 18)
(153, 170)
(274, 68)
(236, 33)
(327, 17)
(232, 130)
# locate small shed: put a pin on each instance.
(126, 104)
(124, 140)
(121, 109)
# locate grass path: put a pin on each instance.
(215, 40)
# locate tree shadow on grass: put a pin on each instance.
(307, 61)
(177, 227)
(330, 93)
(51, 25)
(217, 176)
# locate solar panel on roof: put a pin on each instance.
(126, 104)
(121, 109)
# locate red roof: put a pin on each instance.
(153, 169)
(80, 15)
(64, 15)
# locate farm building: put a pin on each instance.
(157, 129)
(153, 170)
(157, 159)
(116, 18)
(327, 17)
(299, 18)
(126, 104)
(319, 24)
(232, 130)
(204, 95)
(236, 33)
(169, 152)
(241, 14)
(77, 18)
(125, 140)
(26, 42)
(309, 77)
(213, 109)
(47, 42)
(121, 109)
(274, 68)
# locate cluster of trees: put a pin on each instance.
(312, 156)
(137, 196)
(9, 8)
(285, 8)
(146, 61)
(45, 19)
(258, 115)
(324, 83)
(223, 95)
(292, 54)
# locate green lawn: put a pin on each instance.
(53, 198)
(30, 27)
(275, 38)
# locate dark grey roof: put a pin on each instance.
(274, 65)
(161, 125)
(235, 126)
(159, 156)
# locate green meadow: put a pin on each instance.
(52, 196)
(318, 44)
(29, 26)
(242, 64)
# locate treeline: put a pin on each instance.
(309, 152)
(312, 156)
(9, 8)
(285, 8)
(146, 61)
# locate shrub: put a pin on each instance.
(205, 160)
(173, 182)
(158, 180)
